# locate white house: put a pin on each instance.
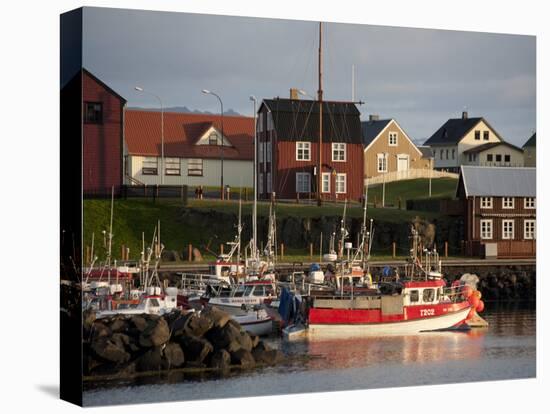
(454, 143)
(193, 149)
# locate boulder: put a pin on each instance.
(139, 322)
(218, 317)
(100, 330)
(198, 325)
(255, 339)
(107, 350)
(174, 355)
(152, 360)
(88, 319)
(118, 324)
(262, 346)
(121, 340)
(268, 357)
(195, 349)
(155, 334)
(221, 360)
(221, 338)
(243, 359)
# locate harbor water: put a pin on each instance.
(505, 350)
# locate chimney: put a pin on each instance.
(373, 117)
(294, 93)
(464, 115)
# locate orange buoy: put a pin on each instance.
(474, 301)
(480, 306)
(467, 291)
(477, 293)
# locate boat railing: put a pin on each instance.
(198, 280)
(454, 294)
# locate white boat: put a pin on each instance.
(150, 304)
(242, 295)
(255, 321)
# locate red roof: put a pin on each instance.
(182, 131)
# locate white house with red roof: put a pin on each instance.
(193, 149)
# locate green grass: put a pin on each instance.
(412, 189)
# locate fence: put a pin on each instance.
(409, 175)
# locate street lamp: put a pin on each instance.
(140, 89)
(254, 212)
(207, 92)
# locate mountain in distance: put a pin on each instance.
(186, 110)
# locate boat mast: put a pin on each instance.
(320, 99)
(110, 236)
(239, 229)
(343, 232)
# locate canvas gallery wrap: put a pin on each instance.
(254, 206)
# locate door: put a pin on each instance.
(402, 162)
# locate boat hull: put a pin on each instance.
(398, 327)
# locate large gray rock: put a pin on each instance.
(243, 359)
(174, 355)
(221, 360)
(218, 317)
(155, 334)
(195, 349)
(100, 330)
(152, 360)
(221, 338)
(107, 350)
(118, 324)
(139, 322)
(198, 325)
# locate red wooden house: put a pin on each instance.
(102, 139)
(288, 150)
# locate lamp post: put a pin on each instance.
(254, 211)
(140, 89)
(207, 92)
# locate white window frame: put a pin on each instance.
(529, 203)
(392, 138)
(172, 166)
(301, 186)
(530, 233)
(381, 157)
(194, 166)
(338, 177)
(339, 153)
(486, 202)
(147, 167)
(487, 233)
(506, 205)
(508, 235)
(303, 146)
(327, 182)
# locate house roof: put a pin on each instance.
(103, 85)
(452, 131)
(483, 147)
(497, 181)
(426, 151)
(182, 131)
(298, 120)
(372, 128)
(531, 142)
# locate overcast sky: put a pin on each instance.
(419, 77)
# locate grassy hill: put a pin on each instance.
(412, 190)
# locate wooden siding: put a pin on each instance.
(102, 142)
(381, 145)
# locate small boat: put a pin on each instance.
(244, 294)
(255, 321)
(153, 303)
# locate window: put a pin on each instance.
(258, 291)
(268, 179)
(428, 295)
(489, 157)
(446, 154)
(498, 158)
(303, 183)
(194, 167)
(453, 154)
(303, 151)
(261, 153)
(325, 183)
(382, 164)
(529, 230)
(485, 135)
(472, 157)
(340, 183)
(507, 202)
(413, 296)
(507, 229)
(261, 183)
(268, 151)
(529, 202)
(440, 154)
(338, 151)
(93, 112)
(172, 166)
(486, 202)
(393, 139)
(150, 166)
(213, 139)
(477, 135)
(507, 158)
(486, 229)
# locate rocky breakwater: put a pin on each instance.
(126, 346)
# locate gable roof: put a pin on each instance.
(452, 131)
(479, 148)
(497, 181)
(85, 71)
(531, 142)
(142, 134)
(298, 120)
(372, 128)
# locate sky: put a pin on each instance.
(420, 77)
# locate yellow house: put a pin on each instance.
(388, 149)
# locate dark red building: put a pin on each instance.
(102, 136)
(288, 150)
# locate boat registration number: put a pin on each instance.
(427, 312)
